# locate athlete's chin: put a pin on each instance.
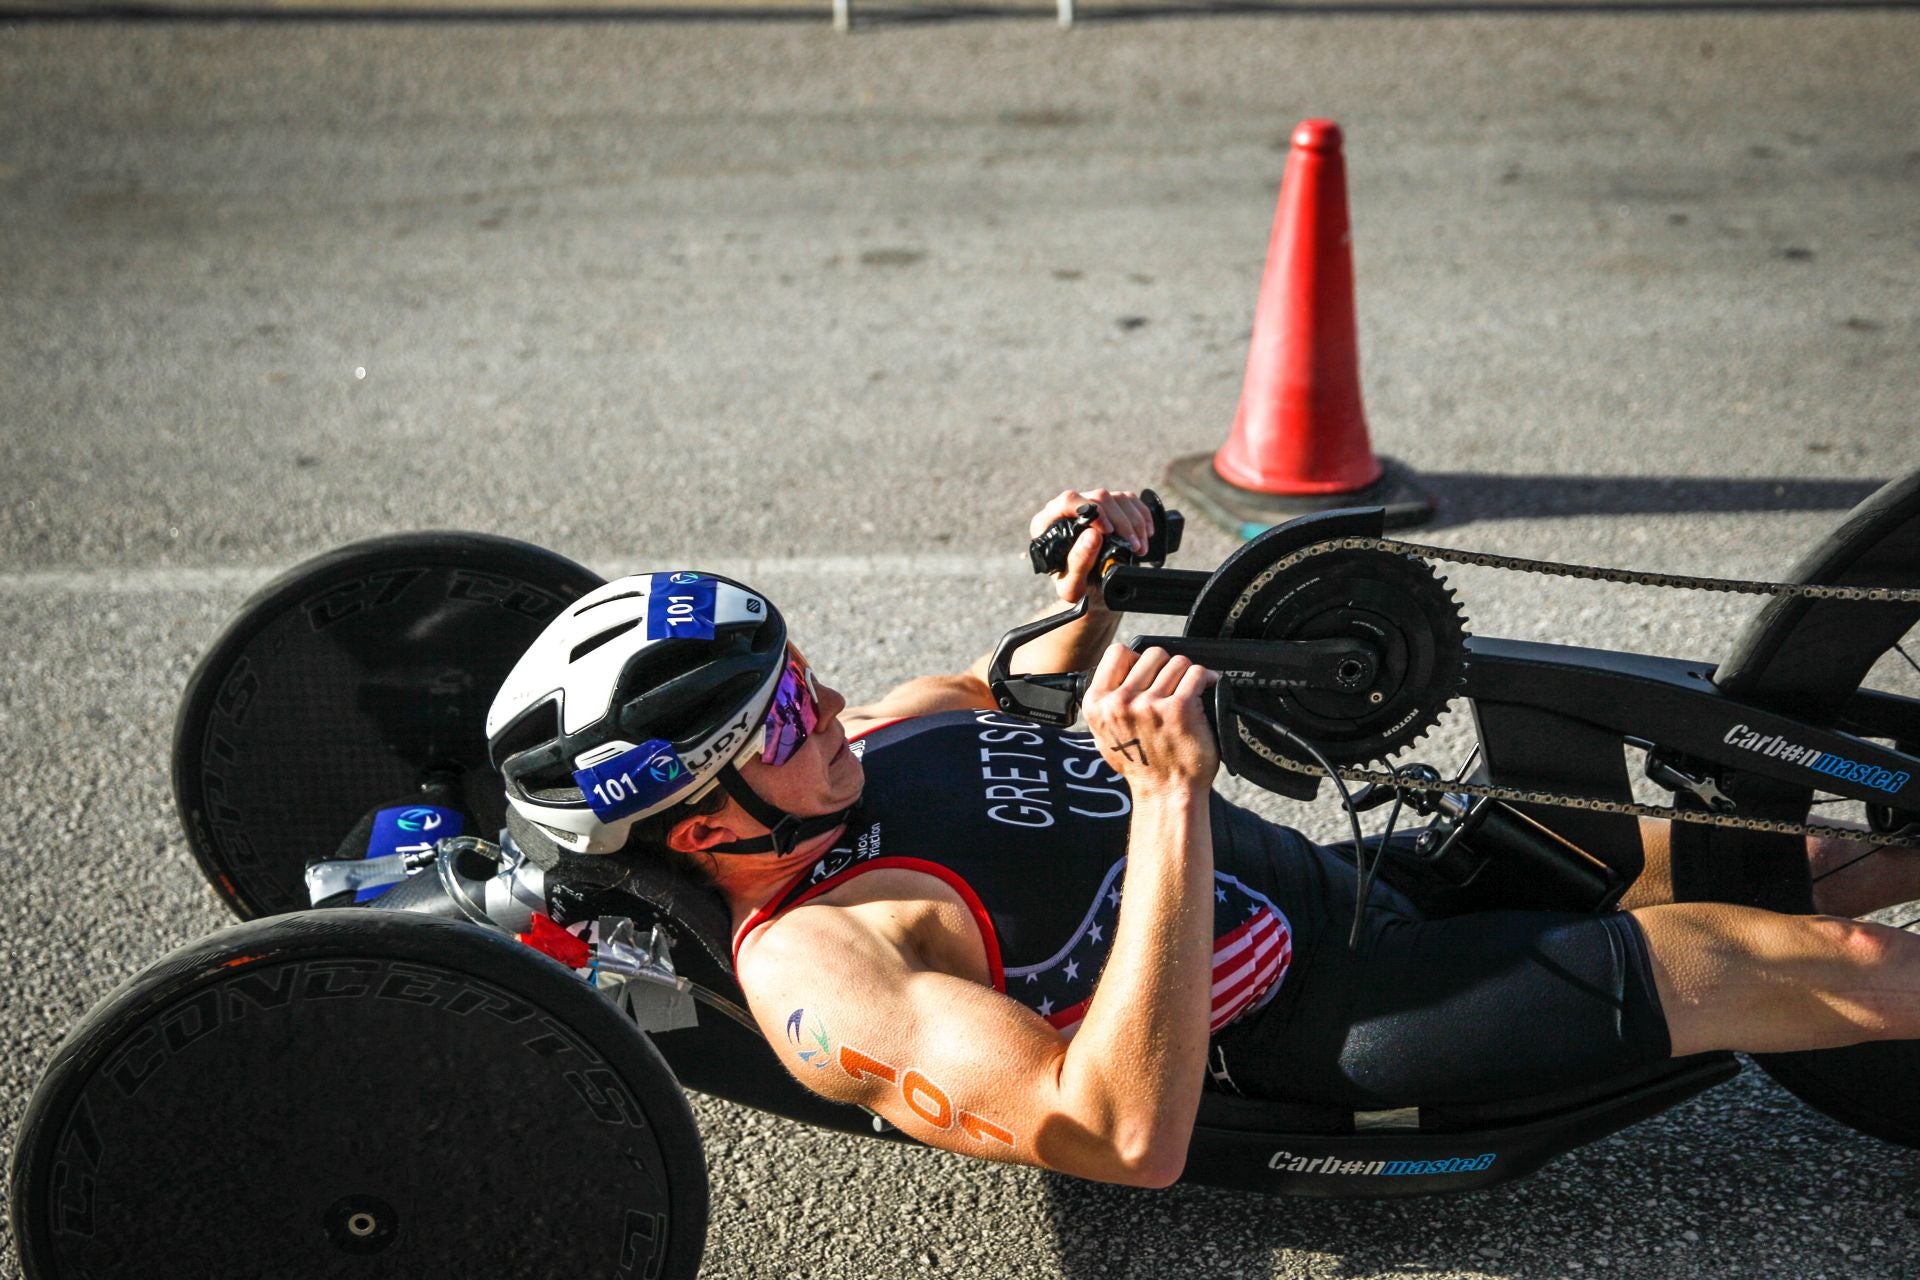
(848, 775)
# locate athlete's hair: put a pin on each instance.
(647, 838)
(649, 834)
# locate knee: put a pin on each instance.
(1858, 945)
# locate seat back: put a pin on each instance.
(1285, 1148)
(724, 1054)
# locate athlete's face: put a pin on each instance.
(822, 775)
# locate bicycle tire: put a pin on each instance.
(1806, 657)
(341, 684)
(357, 1093)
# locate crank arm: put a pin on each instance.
(1133, 589)
(1345, 665)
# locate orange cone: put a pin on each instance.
(1299, 441)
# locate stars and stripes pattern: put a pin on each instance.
(1252, 947)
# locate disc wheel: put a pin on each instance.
(345, 682)
(1394, 604)
(1808, 658)
(355, 1093)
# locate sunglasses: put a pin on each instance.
(795, 712)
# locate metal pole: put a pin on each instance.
(1066, 13)
(843, 14)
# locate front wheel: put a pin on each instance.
(358, 1093)
(1808, 658)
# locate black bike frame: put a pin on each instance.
(1556, 718)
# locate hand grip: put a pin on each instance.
(1048, 552)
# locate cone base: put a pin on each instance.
(1247, 514)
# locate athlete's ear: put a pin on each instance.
(703, 831)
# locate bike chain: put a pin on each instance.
(1588, 573)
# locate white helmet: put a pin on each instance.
(638, 697)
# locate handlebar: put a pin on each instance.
(1055, 699)
(1138, 584)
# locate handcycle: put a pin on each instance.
(349, 1088)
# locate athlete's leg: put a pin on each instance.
(1849, 878)
(1740, 978)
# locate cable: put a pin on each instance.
(1370, 866)
(1466, 768)
(1364, 867)
(1849, 862)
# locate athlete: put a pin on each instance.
(1042, 946)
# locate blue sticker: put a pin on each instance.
(680, 606)
(408, 829)
(632, 780)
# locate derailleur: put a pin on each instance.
(1678, 773)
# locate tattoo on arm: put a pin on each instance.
(1132, 750)
(924, 1098)
(809, 1041)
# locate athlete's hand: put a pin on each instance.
(1147, 713)
(1121, 513)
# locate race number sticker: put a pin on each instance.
(680, 607)
(408, 829)
(632, 780)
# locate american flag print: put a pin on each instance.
(1252, 947)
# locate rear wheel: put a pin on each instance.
(1808, 658)
(351, 679)
(357, 1093)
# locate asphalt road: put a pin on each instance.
(1636, 288)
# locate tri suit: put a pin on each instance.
(1029, 826)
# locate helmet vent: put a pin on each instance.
(537, 726)
(591, 643)
(624, 595)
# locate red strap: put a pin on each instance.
(550, 939)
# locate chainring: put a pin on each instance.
(1394, 603)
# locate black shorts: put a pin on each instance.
(1467, 1009)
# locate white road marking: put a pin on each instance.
(168, 580)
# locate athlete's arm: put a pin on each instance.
(1074, 647)
(864, 1011)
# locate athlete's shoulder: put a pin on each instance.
(901, 908)
(927, 695)
(862, 724)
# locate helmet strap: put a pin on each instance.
(784, 830)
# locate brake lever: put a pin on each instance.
(1049, 699)
(1054, 699)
